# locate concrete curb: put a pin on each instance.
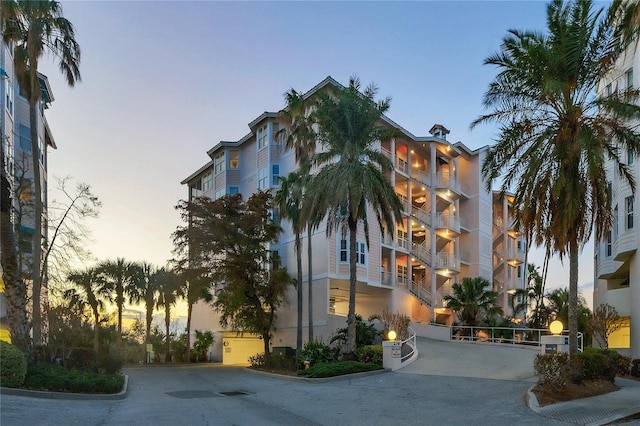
(68, 395)
(321, 379)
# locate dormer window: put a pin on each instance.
(263, 137)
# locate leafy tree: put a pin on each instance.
(532, 299)
(471, 300)
(87, 292)
(556, 135)
(604, 322)
(231, 237)
(352, 179)
(37, 28)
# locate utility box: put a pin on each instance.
(554, 344)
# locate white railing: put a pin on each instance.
(421, 251)
(449, 221)
(506, 335)
(420, 291)
(386, 278)
(385, 152)
(421, 215)
(410, 342)
(402, 165)
(447, 261)
(447, 181)
(420, 177)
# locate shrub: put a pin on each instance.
(366, 333)
(624, 365)
(635, 368)
(316, 351)
(370, 353)
(331, 369)
(273, 361)
(13, 365)
(555, 369)
(58, 379)
(599, 364)
(204, 339)
(109, 364)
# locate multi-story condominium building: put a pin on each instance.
(617, 265)
(16, 149)
(451, 228)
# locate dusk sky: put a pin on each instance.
(162, 82)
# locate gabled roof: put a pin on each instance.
(196, 173)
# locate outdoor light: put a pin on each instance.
(391, 335)
(556, 327)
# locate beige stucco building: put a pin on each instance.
(452, 227)
(617, 265)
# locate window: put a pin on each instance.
(609, 90)
(519, 271)
(41, 149)
(234, 159)
(629, 211)
(263, 178)
(219, 194)
(609, 242)
(233, 190)
(615, 221)
(25, 138)
(275, 174)
(361, 258)
(8, 89)
(218, 163)
(629, 78)
(263, 137)
(207, 181)
(630, 156)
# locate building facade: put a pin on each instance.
(16, 150)
(451, 228)
(616, 261)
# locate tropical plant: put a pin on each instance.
(145, 288)
(625, 16)
(195, 285)
(168, 291)
(531, 299)
(204, 340)
(289, 200)
(366, 333)
(558, 302)
(555, 134)
(472, 300)
(87, 292)
(117, 277)
(37, 28)
(352, 177)
(13, 365)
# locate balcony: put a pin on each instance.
(446, 185)
(420, 177)
(422, 253)
(515, 256)
(447, 225)
(422, 216)
(447, 262)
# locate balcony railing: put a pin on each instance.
(447, 261)
(448, 221)
(422, 253)
(421, 216)
(402, 165)
(420, 176)
(446, 181)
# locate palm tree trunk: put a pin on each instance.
(149, 317)
(37, 233)
(96, 330)
(189, 310)
(310, 279)
(14, 288)
(573, 297)
(298, 245)
(351, 318)
(167, 320)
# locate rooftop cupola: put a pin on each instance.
(439, 131)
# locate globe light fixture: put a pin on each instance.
(391, 335)
(556, 327)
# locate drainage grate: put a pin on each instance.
(192, 394)
(233, 393)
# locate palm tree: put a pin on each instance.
(168, 287)
(472, 299)
(87, 292)
(625, 16)
(145, 289)
(532, 298)
(289, 200)
(194, 285)
(37, 28)
(117, 277)
(301, 138)
(556, 135)
(352, 179)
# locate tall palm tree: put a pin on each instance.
(145, 289)
(301, 138)
(289, 200)
(87, 292)
(555, 134)
(168, 288)
(625, 16)
(194, 285)
(471, 299)
(37, 28)
(117, 277)
(352, 179)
